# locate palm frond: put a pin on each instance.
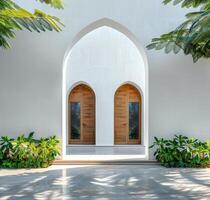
(13, 17)
(38, 21)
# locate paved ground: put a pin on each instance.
(105, 182)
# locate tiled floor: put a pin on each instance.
(104, 153)
(105, 150)
(105, 182)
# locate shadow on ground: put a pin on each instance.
(105, 182)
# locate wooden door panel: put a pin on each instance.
(86, 97)
(120, 119)
(125, 94)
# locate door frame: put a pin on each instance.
(141, 128)
(81, 116)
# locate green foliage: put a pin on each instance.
(187, 3)
(208, 144)
(13, 17)
(182, 151)
(27, 152)
(192, 36)
(54, 3)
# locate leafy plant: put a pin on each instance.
(13, 17)
(27, 152)
(208, 145)
(181, 151)
(192, 36)
(54, 3)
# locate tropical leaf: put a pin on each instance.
(192, 36)
(54, 3)
(187, 3)
(13, 17)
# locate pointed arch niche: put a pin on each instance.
(105, 55)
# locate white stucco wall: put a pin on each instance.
(31, 72)
(105, 59)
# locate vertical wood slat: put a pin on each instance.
(125, 94)
(85, 95)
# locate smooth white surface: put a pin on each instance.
(31, 72)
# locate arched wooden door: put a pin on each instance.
(82, 115)
(127, 115)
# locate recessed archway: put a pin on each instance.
(87, 60)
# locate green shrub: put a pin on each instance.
(208, 146)
(182, 151)
(27, 152)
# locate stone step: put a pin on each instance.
(104, 162)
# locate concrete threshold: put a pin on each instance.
(104, 162)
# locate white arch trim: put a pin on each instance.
(117, 26)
